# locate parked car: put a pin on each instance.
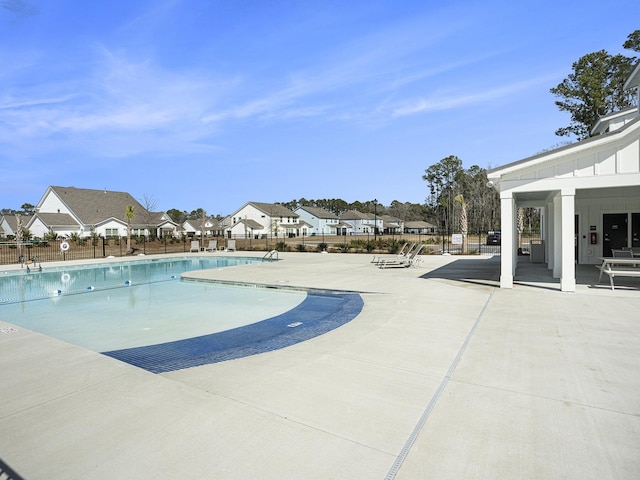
(493, 238)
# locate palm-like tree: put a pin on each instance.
(462, 221)
(520, 222)
(128, 211)
(19, 234)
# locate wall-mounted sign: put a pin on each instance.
(456, 239)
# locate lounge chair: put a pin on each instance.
(623, 253)
(231, 246)
(403, 251)
(401, 255)
(213, 246)
(195, 246)
(405, 262)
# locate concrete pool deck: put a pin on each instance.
(442, 375)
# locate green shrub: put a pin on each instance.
(77, 239)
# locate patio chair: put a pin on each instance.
(623, 253)
(401, 255)
(403, 251)
(213, 246)
(405, 262)
(231, 246)
(195, 246)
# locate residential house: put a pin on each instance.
(588, 193)
(69, 210)
(392, 225)
(262, 220)
(358, 223)
(419, 227)
(192, 227)
(9, 224)
(319, 220)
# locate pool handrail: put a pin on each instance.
(269, 255)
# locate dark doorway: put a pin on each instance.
(635, 230)
(614, 232)
(576, 236)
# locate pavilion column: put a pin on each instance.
(568, 278)
(507, 261)
(556, 232)
(550, 234)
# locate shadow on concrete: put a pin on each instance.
(535, 275)
(538, 275)
(474, 272)
(483, 272)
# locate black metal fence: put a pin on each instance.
(60, 250)
(473, 244)
(39, 251)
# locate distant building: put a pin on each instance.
(419, 227)
(193, 227)
(320, 221)
(9, 224)
(68, 210)
(392, 225)
(261, 220)
(358, 223)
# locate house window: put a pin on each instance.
(110, 232)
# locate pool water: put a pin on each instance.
(141, 312)
(25, 285)
(140, 303)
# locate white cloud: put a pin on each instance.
(117, 100)
(458, 99)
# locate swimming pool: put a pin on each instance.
(142, 313)
(33, 283)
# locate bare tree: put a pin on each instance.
(150, 204)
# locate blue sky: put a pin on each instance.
(210, 104)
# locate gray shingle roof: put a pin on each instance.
(319, 212)
(57, 219)
(274, 209)
(12, 221)
(355, 215)
(418, 224)
(94, 206)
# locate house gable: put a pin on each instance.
(609, 159)
(89, 207)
